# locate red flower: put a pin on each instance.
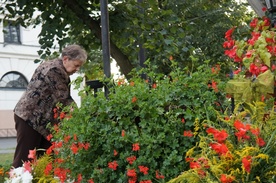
(226, 178)
(214, 86)
(62, 115)
(188, 133)
(131, 83)
(27, 166)
(215, 70)
(132, 180)
(255, 37)
(85, 145)
(143, 169)
(49, 137)
(74, 148)
(237, 71)
(79, 178)
(75, 137)
(135, 147)
(242, 129)
(115, 152)
(50, 149)
(246, 162)
(229, 44)
(254, 23)
(131, 173)
(183, 120)
(219, 136)
(194, 165)
(220, 148)
(228, 34)
(134, 99)
(203, 162)
(255, 131)
(266, 21)
(48, 168)
(113, 165)
(131, 159)
(159, 176)
(56, 128)
(123, 133)
(260, 141)
(90, 181)
(145, 181)
(66, 138)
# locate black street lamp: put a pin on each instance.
(271, 7)
(97, 84)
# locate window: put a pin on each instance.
(11, 32)
(13, 80)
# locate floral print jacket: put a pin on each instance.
(49, 85)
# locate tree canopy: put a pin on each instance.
(186, 31)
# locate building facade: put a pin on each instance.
(18, 50)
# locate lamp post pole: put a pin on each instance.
(105, 41)
(141, 54)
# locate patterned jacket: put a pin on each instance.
(49, 85)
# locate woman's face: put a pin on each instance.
(71, 66)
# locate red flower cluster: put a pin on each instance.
(113, 165)
(220, 137)
(188, 133)
(132, 173)
(246, 162)
(135, 147)
(226, 178)
(53, 167)
(131, 159)
(232, 47)
(200, 165)
(243, 132)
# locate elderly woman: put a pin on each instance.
(49, 85)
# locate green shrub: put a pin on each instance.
(155, 120)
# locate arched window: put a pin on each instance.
(13, 79)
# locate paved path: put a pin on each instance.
(7, 145)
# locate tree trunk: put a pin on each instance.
(121, 59)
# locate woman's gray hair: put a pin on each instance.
(75, 52)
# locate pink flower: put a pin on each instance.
(32, 154)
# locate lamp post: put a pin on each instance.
(105, 41)
(96, 84)
(271, 7)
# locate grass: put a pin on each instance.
(6, 159)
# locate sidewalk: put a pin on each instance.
(7, 145)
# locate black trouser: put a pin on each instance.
(27, 139)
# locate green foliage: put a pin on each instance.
(153, 113)
(39, 171)
(163, 28)
(4, 169)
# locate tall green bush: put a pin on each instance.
(142, 131)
